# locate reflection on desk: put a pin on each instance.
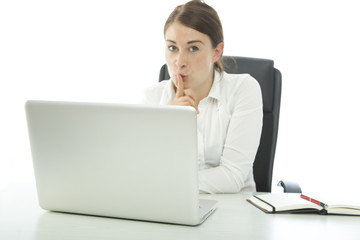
(22, 218)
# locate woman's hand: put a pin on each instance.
(182, 99)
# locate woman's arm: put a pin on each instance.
(241, 144)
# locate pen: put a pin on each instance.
(313, 201)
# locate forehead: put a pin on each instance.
(180, 33)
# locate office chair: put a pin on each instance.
(269, 79)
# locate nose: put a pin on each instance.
(181, 60)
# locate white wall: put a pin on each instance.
(109, 51)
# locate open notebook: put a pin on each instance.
(299, 203)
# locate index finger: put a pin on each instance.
(180, 86)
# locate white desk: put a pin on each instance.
(22, 218)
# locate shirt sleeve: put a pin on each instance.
(161, 93)
(241, 143)
(150, 96)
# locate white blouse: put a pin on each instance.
(229, 130)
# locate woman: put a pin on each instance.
(229, 106)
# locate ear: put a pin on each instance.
(218, 52)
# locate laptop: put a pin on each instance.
(117, 160)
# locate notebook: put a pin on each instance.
(117, 160)
(300, 203)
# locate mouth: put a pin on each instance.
(184, 77)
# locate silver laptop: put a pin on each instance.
(125, 161)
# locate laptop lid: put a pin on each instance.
(115, 160)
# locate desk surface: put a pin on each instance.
(235, 218)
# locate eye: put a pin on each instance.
(172, 48)
(194, 49)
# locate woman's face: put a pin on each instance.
(190, 54)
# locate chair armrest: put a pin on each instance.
(290, 187)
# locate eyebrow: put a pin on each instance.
(189, 42)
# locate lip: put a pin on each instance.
(184, 77)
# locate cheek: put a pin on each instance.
(167, 58)
(169, 63)
(203, 62)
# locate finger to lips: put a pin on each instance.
(180, 86)
(187, 99)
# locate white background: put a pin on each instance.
(110, 51)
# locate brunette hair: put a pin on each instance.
(203, 18)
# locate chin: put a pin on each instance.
(187, 86)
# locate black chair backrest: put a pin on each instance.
(269, 79)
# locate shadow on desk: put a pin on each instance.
(56, 225)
